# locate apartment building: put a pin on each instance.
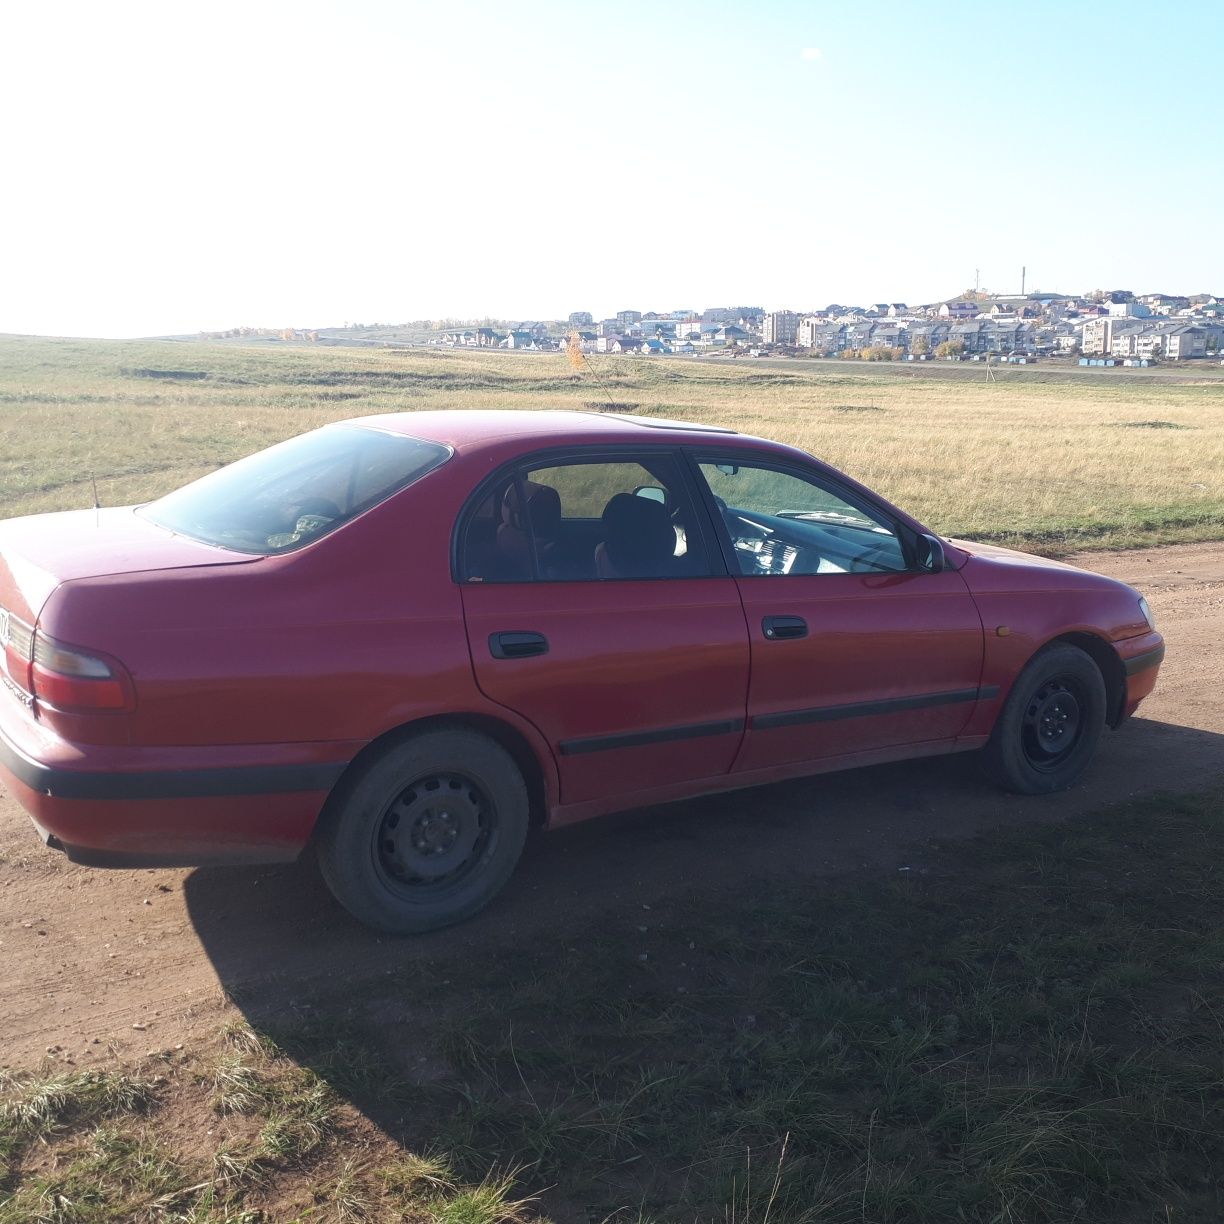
(780, 327)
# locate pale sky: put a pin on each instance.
(169, 167)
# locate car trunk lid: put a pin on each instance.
(41, 552)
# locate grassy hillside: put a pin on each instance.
(1044, 459)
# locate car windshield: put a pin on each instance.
(297, 491)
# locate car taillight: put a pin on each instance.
(73, 680)
(18, 640)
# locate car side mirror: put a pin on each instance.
(929, 554)
(651, 493)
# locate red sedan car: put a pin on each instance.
(406, 638)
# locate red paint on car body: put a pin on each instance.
(259, 679)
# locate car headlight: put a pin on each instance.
(1146, 609)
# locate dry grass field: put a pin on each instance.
(1042, 458)
(1021, 1027)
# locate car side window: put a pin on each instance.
(586, 521)
(782, 523)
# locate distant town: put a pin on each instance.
(1106, 327)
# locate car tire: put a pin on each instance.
(1050, 723)
(426, 833)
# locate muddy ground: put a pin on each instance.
(113, 963)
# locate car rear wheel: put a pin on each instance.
(426, 834)
(1050, 723)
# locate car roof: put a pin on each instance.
(505, 434)
(466, 429)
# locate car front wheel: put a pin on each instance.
(427, 833)
(1050, 723)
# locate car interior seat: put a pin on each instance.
(639, 539)
(540, 517)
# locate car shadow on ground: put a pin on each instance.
(279, 925)
(284, 950)
(282, 923)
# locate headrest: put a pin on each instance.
(543, 509)
(637, 530)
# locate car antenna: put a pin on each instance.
(579, 359)
(93, 480)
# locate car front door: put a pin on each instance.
(854, 648)
(599, 608)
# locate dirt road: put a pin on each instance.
(115, 963)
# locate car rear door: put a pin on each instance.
(853, 648)
(599, 608)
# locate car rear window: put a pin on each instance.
(290, 494)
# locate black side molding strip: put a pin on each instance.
(764, 722)
(636, 739)
(1150, 658)
(168, 784)
(866, 709)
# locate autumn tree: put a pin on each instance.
(573, 351)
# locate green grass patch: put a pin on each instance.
(89, 1148)
(1024, 1027)
(34, 1108)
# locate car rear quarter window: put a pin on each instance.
(290, 494)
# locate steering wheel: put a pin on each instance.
(306, 517)
(736, 523)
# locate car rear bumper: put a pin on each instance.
(169, 806)
(1141, 658)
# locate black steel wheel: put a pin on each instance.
(1050, 723)
(434, 833)
(427, 833)
(1053, 722)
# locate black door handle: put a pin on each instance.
(517, 645)
(775, 627)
